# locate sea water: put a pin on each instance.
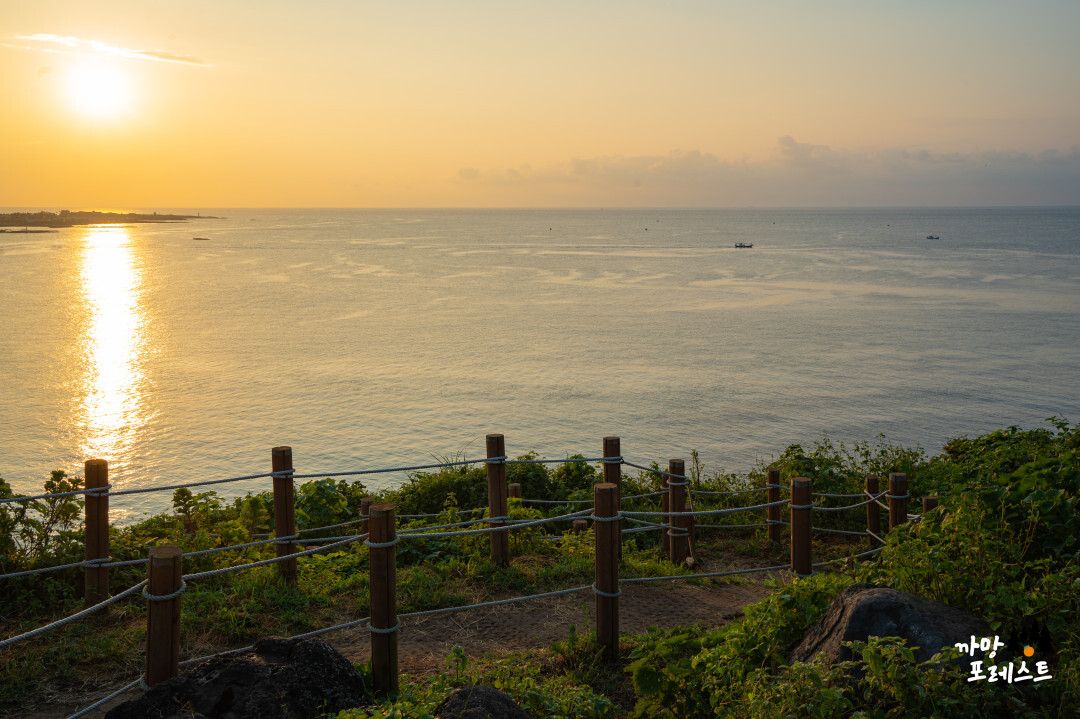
(382, 338)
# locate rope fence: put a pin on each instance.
(165, 584)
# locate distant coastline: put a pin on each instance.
(66, 218)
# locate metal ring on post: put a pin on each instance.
(612, 460)
(495, 460)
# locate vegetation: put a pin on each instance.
(1002, 545)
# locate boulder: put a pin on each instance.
(479, 703)
(277, 678)
(866, 610)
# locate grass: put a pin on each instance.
(1009, 504)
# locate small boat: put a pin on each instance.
(932, 237)
(740, 245)
(201, 239)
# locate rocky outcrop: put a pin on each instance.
(479, 703)
(279, 678)
(866, 610)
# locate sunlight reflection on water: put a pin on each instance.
(113, 321)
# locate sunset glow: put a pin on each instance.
(601, 104)
(99, 91)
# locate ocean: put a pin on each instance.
(380, 338)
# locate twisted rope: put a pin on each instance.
(701, 576)
(700, 513)
(610, 595)
(850, 506)
(97, 491)
(165, 597)
(106, 700)
(838, 531)
(66, 620)
(737, 491)
(387, 630)
(654, 471)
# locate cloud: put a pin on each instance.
(43, 41)
(796, 174)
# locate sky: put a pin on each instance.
(345, 103)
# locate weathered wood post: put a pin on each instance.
(496, 477)
(608, 529)
(613, 465)
(873, 511)
(96, 508)
(679, 530)
(513, 490)
(382, 563)
(164, 578)
(612, 453)
(929, 503)
(665, 519)
(579, 526)
(284, 510)
(772, 516)
(801, 503)
(898, 497)
(365, 507)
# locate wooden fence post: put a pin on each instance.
(898, 497)
(496, 477)
(284, 510)
(801, 500)
(96, 579)
(873, 511)
(665, 507)
(929, 503)
(365, 507)
(613, 469)
(382, 563)
(679, 531)
(579, 526)
(776, 530)
(164, 578)
(513, 490)
(608, 529)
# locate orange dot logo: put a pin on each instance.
(1029, 650)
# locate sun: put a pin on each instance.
(99, 90)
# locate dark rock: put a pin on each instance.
(278, 678)
(866, 610)
(479, 703)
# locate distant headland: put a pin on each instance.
(66, 218)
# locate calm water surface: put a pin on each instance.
(380, 338)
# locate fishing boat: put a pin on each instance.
(201, 239)
(742, 245)
(932, 237)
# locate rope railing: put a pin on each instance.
(729, 492)
(704, 512)
(77, 615)
(676, 492)
(627, 514)
(819, 508)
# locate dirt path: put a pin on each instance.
(425, 642)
